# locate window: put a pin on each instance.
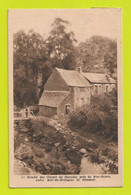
(82, 89)
(77, 102)
(96, 89)
(82, 101)
(112, 86)
(67, 109)
(107, 88)
(100, 89)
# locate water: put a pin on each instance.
(87, 167)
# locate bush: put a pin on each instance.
(99, 117)
(88, 118)
(37, 130)
(95, 158)
(78, 118)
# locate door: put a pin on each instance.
(67, 109)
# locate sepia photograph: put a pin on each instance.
(65, 96)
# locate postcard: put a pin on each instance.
(65, 97)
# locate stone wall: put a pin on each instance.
(81, 96)
(69, 100)
(56, 83)
(98, 88)
(47, 111)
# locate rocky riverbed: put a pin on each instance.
(57, 150)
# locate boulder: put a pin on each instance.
(83, 151)
(57, 144)
(59, 125)
(56, 117)
(26, 139)
(75, 143)
(25, 130)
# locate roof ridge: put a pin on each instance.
(64, 69)
(95, 73)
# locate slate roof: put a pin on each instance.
(52, 98)
(73, 78)
(98, 78)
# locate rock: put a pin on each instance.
(26, 139)
(83, 151)
(59, 125)
(24, 129)
(56, 117)
(55, 126)
(52, 123)
(90, 141)
(73, 147)
(55, 122)
(57, 144)
(75, 144)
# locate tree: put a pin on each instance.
(60, 44)
(35, 58)
(110, 58)
(98, 54)
(29, 55)
(46, 71)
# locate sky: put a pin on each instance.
(84, 22)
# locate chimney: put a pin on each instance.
(108, 78)
(79, 69)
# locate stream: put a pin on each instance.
(87, 167)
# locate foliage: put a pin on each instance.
(98, 54)
(29, 53)
(60, 45)
(35, 59)
(110, 58)
(95, 158)
(100, 117)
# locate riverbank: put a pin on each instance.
(57, 150)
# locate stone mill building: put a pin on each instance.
(66, 90)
